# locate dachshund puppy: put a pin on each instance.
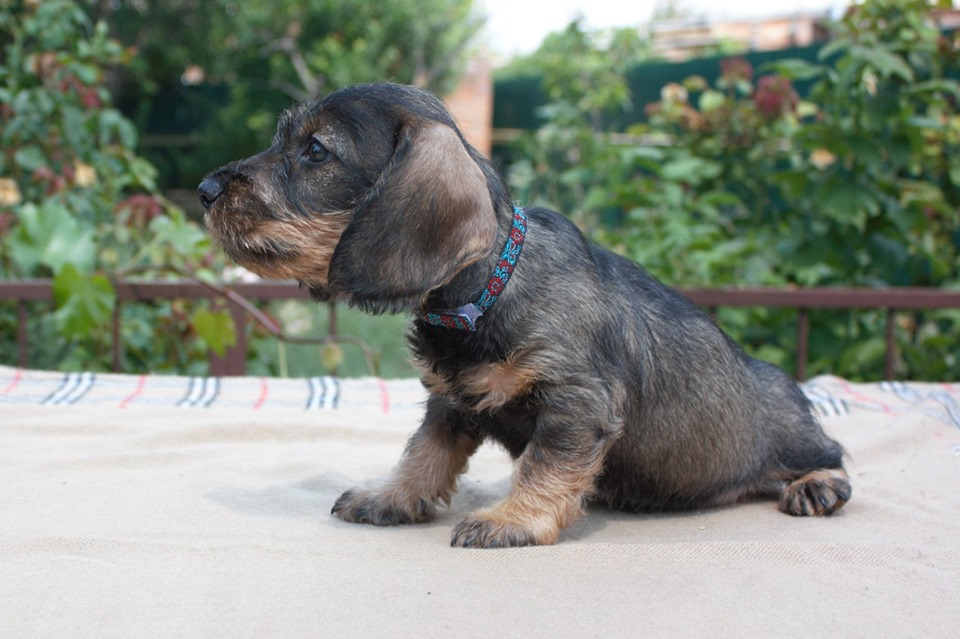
(601, 382)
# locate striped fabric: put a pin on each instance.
(830, 396)
(836, 397)
(19, 386)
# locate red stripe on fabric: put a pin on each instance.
(384, 396)
(264, 391)
(17, 375)
(864, 398)
(141, 383)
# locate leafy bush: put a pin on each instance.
(235, 65)
(77, 203)
(743, 183)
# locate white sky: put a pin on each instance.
(518, 26)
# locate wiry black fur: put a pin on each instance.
(693, 415)
(628, 376)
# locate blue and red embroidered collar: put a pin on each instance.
(465, 317)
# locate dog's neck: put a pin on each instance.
(465, 317)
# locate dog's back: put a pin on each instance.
(703, 423)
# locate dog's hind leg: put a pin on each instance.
(807, 473)
(818, 492)
(814, 484)
(426, 475)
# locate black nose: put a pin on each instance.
(209, 190)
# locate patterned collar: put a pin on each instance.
(465, 317)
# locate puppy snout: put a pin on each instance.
(209, 190)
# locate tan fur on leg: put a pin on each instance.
(426, 475)
(547, 496)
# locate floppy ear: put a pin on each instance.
(428, 216)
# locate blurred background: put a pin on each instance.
(720, 144)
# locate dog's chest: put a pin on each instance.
(483, 386)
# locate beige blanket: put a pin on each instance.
(184, 507)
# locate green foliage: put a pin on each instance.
(76, 202)
(48, 237)
(84, 302)
(571, 161)
(271, 53)
(888, 203)
(743, 183)
(78, 205)
(215, 328)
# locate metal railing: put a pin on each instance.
(240, 299)
(890, 300)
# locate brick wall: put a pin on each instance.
(471, 103)
(682, 39)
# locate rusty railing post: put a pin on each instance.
(332, 319)
(23, 339)
(116, 347)
(891, 345)
(234, 360)
(803, 343)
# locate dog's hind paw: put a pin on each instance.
(381, 509)
(818, 493)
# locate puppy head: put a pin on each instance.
(370, 194)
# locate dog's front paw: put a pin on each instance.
(382, 509)
(485, 529)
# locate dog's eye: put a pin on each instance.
(316, 152)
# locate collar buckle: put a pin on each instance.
(465, 317)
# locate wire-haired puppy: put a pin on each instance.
(600, 381)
